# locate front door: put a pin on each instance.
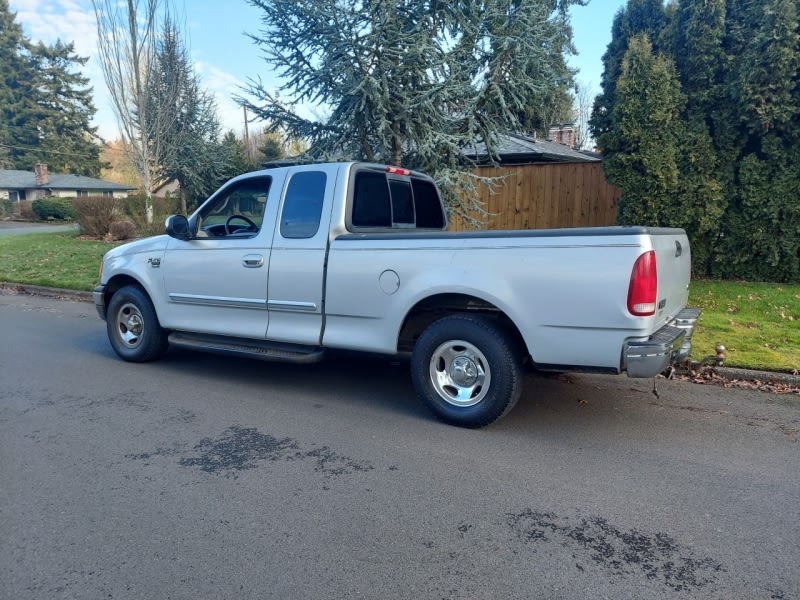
(217, 282)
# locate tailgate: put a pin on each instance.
(674, 263)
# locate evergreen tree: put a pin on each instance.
(700, 202)
(46, 104)
(548, 108)
(409, 82)
(235, 160)
(736, 136)
(643, 149)
(16, 91)
(272, 149)
(67, 140)
(190, 130)
(765, 83)
(636, 18)
(553, 103)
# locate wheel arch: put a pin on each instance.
(117, 282)
(434, 307)
(120, 281)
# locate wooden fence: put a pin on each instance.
(545, 196)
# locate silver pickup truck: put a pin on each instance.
(284, 263)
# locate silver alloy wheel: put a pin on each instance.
(130, 324)
(460, 373)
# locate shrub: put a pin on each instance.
(6, 208)
(162, 207)
(96, 214)
(48, 209)
(121, 230)
(134, 207)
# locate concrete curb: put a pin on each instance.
(48, 292)
(731, 373)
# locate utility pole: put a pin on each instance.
(247, 136)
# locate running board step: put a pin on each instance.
(263, 350)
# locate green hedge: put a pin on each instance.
(54, 209)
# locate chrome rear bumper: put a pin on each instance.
(668, 346)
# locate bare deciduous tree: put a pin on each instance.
(582, 107)
(127, 41)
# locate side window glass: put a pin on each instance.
(402, 203)
(237, 210)
(371, 204)
(302, 206)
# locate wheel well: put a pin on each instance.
(120, 281)
(433, 308)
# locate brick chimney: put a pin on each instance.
(40, 171)
(563, 134)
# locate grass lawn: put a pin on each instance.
(759, 323)
(61, 260)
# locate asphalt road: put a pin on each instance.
(208, 477)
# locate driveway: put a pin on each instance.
(202, 476)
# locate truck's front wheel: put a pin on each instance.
(133, 327)
(467, 370)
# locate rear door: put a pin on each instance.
(299, 253)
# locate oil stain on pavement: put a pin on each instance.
(622, 553)
(243, 448)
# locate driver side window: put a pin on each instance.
(236, 210)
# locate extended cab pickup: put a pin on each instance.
(284, 263)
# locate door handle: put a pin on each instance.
(253, 261)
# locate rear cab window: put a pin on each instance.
(394, 200)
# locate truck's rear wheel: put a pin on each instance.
(133, 327)
(467, 370)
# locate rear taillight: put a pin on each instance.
(643, 289)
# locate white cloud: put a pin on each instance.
(224, 86)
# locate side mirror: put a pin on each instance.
(177, 226)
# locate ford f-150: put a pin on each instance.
(284, 263)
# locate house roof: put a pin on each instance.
(515, 148)
(26, 180)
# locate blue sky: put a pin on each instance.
(225, 58)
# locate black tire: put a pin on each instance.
(133, 327)
(467, 370)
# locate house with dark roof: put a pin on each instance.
(32, 185)
(519, 149)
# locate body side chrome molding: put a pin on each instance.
(291, 305)
(196, 300)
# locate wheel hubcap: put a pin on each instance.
(460, 373)
(464, 371)
(130, 325)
